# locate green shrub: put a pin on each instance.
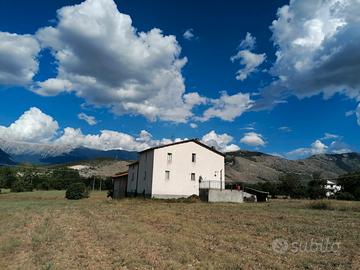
(43, 186)
(345, 196)
(76, 191)
(350, 183)
(20, 185)
(7, 177)
(320, 205)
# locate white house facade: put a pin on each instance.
(331, 188)
(176, 170)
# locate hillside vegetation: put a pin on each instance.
(251, 167)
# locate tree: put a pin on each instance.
(7, 177)
(21, 185)
(291, 185)
(76, 191)
(62, 178)
(316, 187)
(350, 184)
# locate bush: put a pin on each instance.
(21, 186)
(350, 183)
(316, 189)
(7, 177)
(43, 186)
(76, 191)
(345, 196)
(320, 205)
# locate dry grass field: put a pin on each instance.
(42, 230)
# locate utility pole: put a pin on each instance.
(93, 185)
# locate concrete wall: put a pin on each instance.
(235, 196)
(209, 166)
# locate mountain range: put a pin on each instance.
(5, 159)
(248, 166)
(242, 166)
(45, 154)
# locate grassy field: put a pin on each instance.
(42, 230)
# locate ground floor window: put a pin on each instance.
(192, 176)
(167, 175)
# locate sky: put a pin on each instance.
(273, 76)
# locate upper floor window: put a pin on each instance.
(192, 176)
(169, 157)
(167, 175)
(193, 157)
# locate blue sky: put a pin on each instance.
(99, 65)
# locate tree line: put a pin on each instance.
(28, 179)
(293, 186)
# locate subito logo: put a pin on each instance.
(280, 245)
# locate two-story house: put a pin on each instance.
(176, 170)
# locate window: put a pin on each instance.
(193, 157)
(167, 175)
(169, 157)
(132, 177)
(145, 176)
(192, 176)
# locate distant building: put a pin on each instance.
(331, 188)
(176, 170)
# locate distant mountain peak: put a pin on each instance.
(5, 159)
(51, 153)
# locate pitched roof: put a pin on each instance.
(197, 141)
(133, 163)
(118, 175)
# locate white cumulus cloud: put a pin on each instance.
(18, 58)
(253, 139)
(221, 142)
(104, 59)
(249, 60)
(32, 126)
(52, 87)
(317, 50)
(337, 146)
(317, 147)
(37, 132)
(227, 107)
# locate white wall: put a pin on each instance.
(234, 196)
(208, 165)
